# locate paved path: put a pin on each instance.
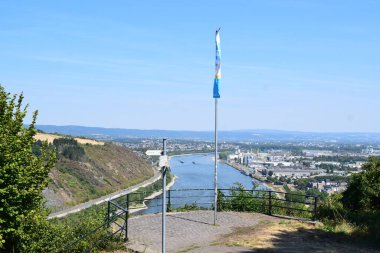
(77, 208)
(186, 232)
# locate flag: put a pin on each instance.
(218, 72)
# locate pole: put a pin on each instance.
(108, 213)
(163, 200)
(168, 205)
(126, 220)
(315, 207)
(270, 202)
(216, 161)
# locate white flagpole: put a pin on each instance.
(216, 161)
(216, 96)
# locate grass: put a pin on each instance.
(278, 235)
(104, 169)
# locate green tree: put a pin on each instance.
(363, 191)
(362, 198)
(224, 155)
(23, 175)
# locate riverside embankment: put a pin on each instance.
(152, 196)
(256, 177)
(82, 206)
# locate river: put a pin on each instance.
(197, 171)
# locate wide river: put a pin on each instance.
(197, 172)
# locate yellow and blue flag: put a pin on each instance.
(218, 73)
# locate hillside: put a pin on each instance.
(51, 137)
(86, 171)
(257, 135)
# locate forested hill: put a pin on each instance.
(86, 171)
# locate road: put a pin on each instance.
(77, 208)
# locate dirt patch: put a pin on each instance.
(276, 235)
(51, 137)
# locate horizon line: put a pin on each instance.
(221, 130)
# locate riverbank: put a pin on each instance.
(241, 168)
(153, 195)
(82, 206)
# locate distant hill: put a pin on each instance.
(258, 135)
(86, 171)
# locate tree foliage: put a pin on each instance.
(359, 203)
(23, 175)
(242, 200)
(363, 192)
(69, 148)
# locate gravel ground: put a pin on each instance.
(194, 232)
(188, 231)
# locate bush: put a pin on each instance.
(23, 175)
(358, 205)
(90, 225)
(363, 192)
(240, 199)
(188, 207)
(331, 209)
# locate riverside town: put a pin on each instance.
(189, 126)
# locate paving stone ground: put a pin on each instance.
(187, 231)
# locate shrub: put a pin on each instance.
(23, 175)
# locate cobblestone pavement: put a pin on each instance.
(185, 232)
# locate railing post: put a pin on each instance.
(315, 207)
(126, 220)
(108, 213)
(168, 207)
(244, 204)
(270, 202)
(288, 204)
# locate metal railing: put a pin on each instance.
(116, 213)
(277, 203)
(268, 202)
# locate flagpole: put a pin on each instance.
(216, 161)
(216, 96)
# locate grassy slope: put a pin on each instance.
(280, 235)
(104, 169)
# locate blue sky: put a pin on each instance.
(288, 65)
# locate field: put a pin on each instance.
(51, 137)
